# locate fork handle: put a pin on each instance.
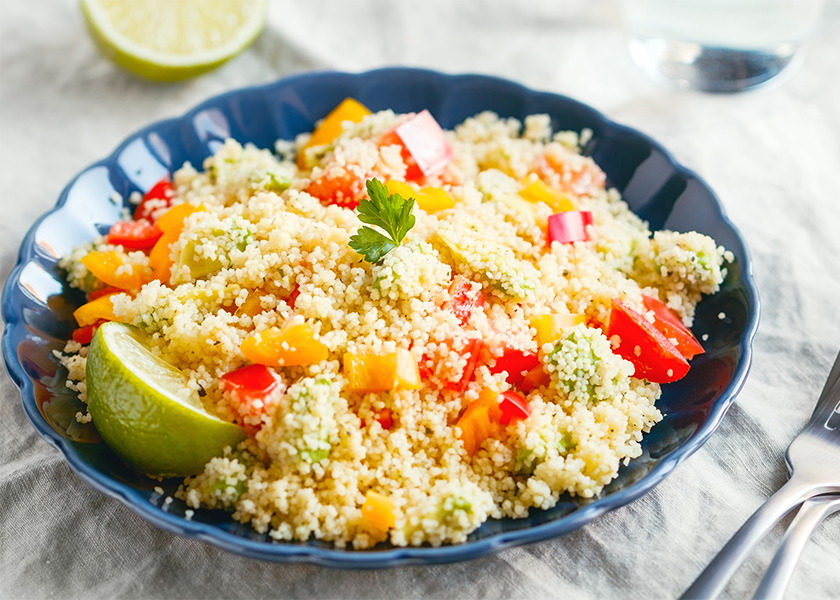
(812, 513)
(710, 583)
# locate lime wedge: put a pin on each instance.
(168, 40)
(145, 412)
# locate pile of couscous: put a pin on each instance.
(473, 370)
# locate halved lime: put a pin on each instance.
(168, 40)
(144, 410)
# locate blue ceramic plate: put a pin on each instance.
(37, 306)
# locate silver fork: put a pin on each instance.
(813, 460)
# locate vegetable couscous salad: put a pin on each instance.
(384, 330)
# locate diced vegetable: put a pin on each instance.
(137, 235)
(252, 382)
(378, 512)
(103, 292)
(159, 258)
(516, 363)
(344, 190)
(84, 335)
(671, 326)
(539, 191)
(472, 350)
(550, 327)
(570, 226)
(114, 269)
(535, 378)
(430, 199)
(426, 142)
(330, 128)
(462, 299)
(158, 197)
(174, 218)
(513, 407)
(477, 422)
(101, 309)
(171, 223)
(654, 357)
(290, 346)
(381, 372)
(384, 417)
(412, 170)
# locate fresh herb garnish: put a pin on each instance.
(389, 212)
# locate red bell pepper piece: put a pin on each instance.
(513, 406)
(137, 235)
(162, 190)
(517, 364)
(253, 382)
(471, 350)
(671, 326)
(84, 335)
(569, 226)
(91, 296)
(462, 299)
(655, 358)
(412, 170)
(293, 297)
(344, 190)
(426, 142)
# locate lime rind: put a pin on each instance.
(165, 66)
(144, 410)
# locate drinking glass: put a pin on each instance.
(719, 45)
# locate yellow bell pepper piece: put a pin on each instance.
(290, 346)
(367, 373)
(550, 327)
(378, 512)
(538, 191)
(175, 216)
(479, 420)
(430, 199)
(113, 269)
(90, 313)
(330, 127)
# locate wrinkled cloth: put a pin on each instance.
(772, 156)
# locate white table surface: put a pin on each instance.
(773, 157)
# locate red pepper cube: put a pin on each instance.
(517, 364)
(652, 354)
(136, 235)
(253, 382)
(161, 191)
(569, 226)
(513, 406)
(426, 142)
(671, 326)
(462, 299)
(472, 350)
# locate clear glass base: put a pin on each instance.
(692, 66)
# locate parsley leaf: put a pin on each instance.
(391, 213)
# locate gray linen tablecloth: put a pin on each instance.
(773, 157)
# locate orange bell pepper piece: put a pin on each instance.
(175, 216)
(330, 127)
(479, 420)
(171, 224)
(381, 372)
(100, 309)
(378, 512)
(112, 268)
(290, 346)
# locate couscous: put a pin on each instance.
(401, 369)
